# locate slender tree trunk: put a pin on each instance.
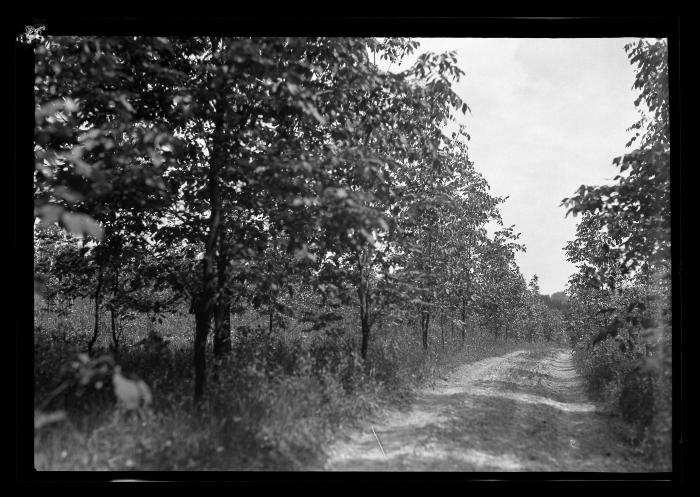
(363, 294)
(206, 300)
(464, 318)
(425, 324)
(222, 313)
(468, 290)
(442, 330)
(363, 290)
(203, 308)
(115, 339)
(98, 292)
(222, 326)
(201, 317)
(364, 318)
(222, 336)
(113, 312)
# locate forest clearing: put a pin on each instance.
(269, 253)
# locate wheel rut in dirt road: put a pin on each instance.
(524, 411)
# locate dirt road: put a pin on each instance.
(525, 411)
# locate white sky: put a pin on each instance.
(547, 116)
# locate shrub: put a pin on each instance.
(637, 387)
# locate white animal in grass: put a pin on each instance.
(132, 393)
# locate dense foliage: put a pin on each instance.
(290, 179)
(619, 314)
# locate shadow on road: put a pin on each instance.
(518, 413)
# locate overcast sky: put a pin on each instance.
(547, 116)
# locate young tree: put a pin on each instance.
(636, 210)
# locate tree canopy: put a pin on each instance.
(215, 171)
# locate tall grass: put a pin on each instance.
(274, 403)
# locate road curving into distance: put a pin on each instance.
(524, 411)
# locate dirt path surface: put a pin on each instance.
(524, 411)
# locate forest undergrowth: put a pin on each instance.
(277, 400)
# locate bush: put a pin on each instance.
(637, 397)
(635, 386)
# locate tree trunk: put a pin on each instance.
(363, 294)
(364, 322)
(115, 339)
(98, 291)
(206, 300)
(442, 330)
(222, 327)
(222, 336)
(468, 292)
(222, 314)
(113, 312)
(425, 323)
(201, 317)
